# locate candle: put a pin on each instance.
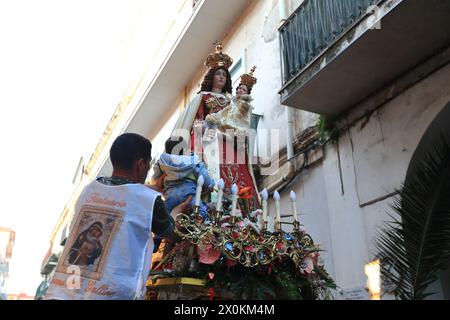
(293, 197)
(234, 191)
(264, 196)
(198, 193)
(276, 197)
(220, 186)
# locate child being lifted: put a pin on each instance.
(176, 174)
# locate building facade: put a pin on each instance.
(377, 70)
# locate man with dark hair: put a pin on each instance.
(126, 212)
(128, 148)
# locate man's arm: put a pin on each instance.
(163, 224)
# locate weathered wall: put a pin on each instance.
(373, 161)
(383, 147)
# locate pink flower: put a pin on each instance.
(240, 224)
(314, 256)
(208, 254)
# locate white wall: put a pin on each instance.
(384, 147)
(312, 207)
(373, 163)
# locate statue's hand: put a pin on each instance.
(247, 98)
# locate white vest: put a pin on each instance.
(109, 249)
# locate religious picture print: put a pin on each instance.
(90, 242)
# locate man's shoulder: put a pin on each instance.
(151, 191)
(145, 188)
(108, 182)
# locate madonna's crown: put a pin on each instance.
(218, 59)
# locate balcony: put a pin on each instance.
(335, 53)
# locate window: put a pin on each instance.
(238, 69)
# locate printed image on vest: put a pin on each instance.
(93, 233)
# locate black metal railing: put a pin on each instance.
(313, 27)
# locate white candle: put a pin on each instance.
(220, 186)
(264, 196)
(276, 197)
(293, 197)
(198, 193)
(234, 191)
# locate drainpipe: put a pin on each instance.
(282, 9)
(291, 167)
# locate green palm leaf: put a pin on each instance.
(415, 246)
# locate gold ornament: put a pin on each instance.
(242, 244)
(248, 79)
(218, 58)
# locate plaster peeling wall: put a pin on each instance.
(347, 224)
(383, 148)
(373, 161)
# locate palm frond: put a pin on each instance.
(414, 246)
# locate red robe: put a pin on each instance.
(233, 169)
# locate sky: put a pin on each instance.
(64, 66)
